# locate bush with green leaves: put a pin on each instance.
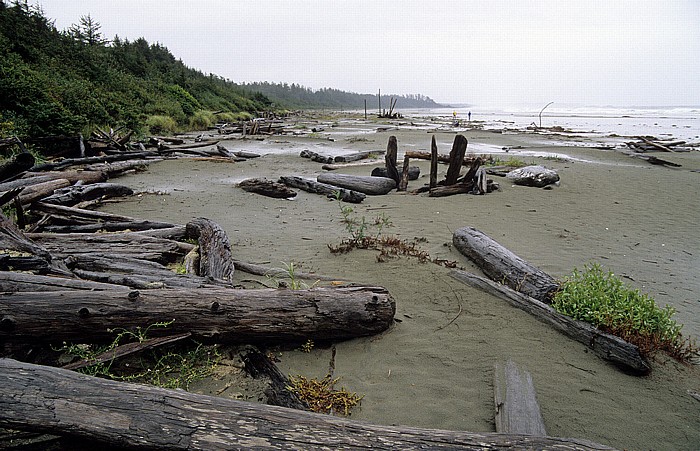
(603, 300)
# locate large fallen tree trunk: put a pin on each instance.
(364, 184)
(606, 346)
(62, 402)
(502, 265)
(11, 281)
(210, 314)
(331, 191)
(79, 193)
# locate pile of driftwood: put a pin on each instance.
(640, 148)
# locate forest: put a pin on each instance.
(65, 82)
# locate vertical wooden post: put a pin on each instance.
(403, 184)
(379, 97)
(459, 148)
(390, 160)
(365, 109)
(433, 163)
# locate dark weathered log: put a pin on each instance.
(403, 184)
(443, 191)
(267, 188)
(33, 178)
(18, 281)
(8, 196)
(655, 160)
(357, 156)
(415, 154)
(259, 365)
(13, 239)
(108, 226)
(80, 213)
(459, 148)
(39, 191)
(91, 160)
(392, 149)
(413, 172)
(433, 163)
(15, 166)
(81, 193)
(246, 155)
(517, 409)
(315, 156)
(503, 266)
(330, 191)
(62, 402)
(364, 184)
(606, 346)
(176, 233)
(215, 259)
(119, 167)
(212, 314)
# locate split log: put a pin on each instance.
(403, 184)
(39, 191)
(413, 172)
(459, 148)
(16, 166)
(433, 163)
(517, 409)
(392, 171)
(315, 156)
(81, 193)
(215, 259)
(267, 188)
(363, 184)
(108, 226)
(259, 365)
(134, 416)
(92, 160)
(119, 167)
(330, 191)
(356, 156)
(8, 196)
(211, 314)
(18, 281)
(502, 265)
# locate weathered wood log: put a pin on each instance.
(33, 178)
(39, 191)
(16, 166)
(246, 155)
(211, 314)
(259, 365)
(403, 184)
(517, 409)
(62, 402)
(313, 156)
(8, 196)
(413, 172)
(80, 213)
(415, 154)
(108, 226)
(357, 156)
(80, 193)
(119, 167)
(655, 160)
(433, 163)
(91, 160)
(267, 188)
(606, 346)
(11, 281)
(363, 184)
(537, 176)
(502, 265)
(330, 191)
(459, 148)
(656, 145)
(13, 240)
(215, 259)
(176, 233)
(392, 149)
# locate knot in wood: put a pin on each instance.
(215, 307)
(84, 312)
(7, 324)
(134, 295)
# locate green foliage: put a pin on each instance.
(159, 125)
(202, 120)
(291, 281)
(603, 300)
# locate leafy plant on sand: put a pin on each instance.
(320, 395)
(291, 280)
(163, 369)
(369, 235)
(603, 300)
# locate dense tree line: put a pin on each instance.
(297, 96)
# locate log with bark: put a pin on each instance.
(330, 191)
(459, 148)
(313, 156)
(357, 156)
(364, 184)
(34, 193)
(33, 178)
(118, 414)
(92, 160)
(211, 314)
(604, 345)
(267, 188)
(11, 281)
(503, 266)
(215, 257)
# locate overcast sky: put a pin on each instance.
(494, 52)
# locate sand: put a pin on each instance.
(636, 219)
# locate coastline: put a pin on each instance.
(635, 219)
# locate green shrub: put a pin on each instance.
(201, 120)
(603, 300)
(161, 124)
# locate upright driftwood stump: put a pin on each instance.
(459, 148)
(392, 149)
(215, 249)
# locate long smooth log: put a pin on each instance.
(331, 191)
(606, 346)
(91, 160)
(459, 148)
(212, 314)
(32, 178)
(108, 226)
(11, 281)
(80, 193)
(63, 402)
(36, 192)
(502, 265)
(215, 257)
(392, 149)
(364, 184)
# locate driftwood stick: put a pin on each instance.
(403, 184)
(433, 163)
(62, 402)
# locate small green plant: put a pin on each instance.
(291, 280)
(603, 300)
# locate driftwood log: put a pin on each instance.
(259, 365)
(215, 257)
(11, 281)
(606, 346)
(413, 172)
(79, 193)
(433, 163)
(502, 265)
(118, 414)
(213, 314)
(392, 149)
(515, 400)
(356, 156)
(459, 148)
(363, 184)
(330, 191)
(313, 156)
(33, 178)
(267, 188)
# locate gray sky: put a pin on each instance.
(494, 52)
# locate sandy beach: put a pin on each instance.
(435, 367)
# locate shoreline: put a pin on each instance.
(623, 214)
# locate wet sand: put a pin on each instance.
(636, 219)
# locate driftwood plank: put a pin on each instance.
(517, 409)
(58, 401)
(606, 346)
